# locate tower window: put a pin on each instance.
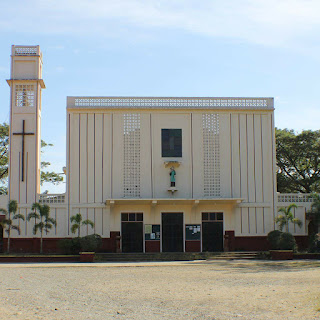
(25, 95)
(171, 142)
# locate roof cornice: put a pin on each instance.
(170, 103)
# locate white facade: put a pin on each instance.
(242, 142)
(115, 163)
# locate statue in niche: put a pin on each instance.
(172, 177)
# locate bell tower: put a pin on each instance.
(25, 119)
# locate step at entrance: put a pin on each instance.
(175, 256)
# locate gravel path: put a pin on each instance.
(164, 290)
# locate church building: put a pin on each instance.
(155, 174)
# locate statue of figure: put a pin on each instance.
(172, 177)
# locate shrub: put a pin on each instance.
(281, 240)
(90, 243)
(314, 243)
(75, 245)
(274, 238)
(287, 241)
(70, 246)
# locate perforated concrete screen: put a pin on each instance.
(131, 152)
(211, 155)
(24, 95)
(26, 51)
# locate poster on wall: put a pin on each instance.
(152, 231)
(193, 232)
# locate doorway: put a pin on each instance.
(1, 239)
(212, 231)
(132, 232)
(172, 232)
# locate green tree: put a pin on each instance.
(298, 161)
(41, 213)
(77, 223)
(11, 215)
(4, 156)
(286, 216)
(314, 213)
(45, 176)
(48, 176)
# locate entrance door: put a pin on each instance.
(132, 232)
(212, 231)
(172, 232)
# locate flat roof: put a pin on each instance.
(170, 103)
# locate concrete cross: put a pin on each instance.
(23, 133)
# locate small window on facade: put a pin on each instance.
(171, 140)
(220, 216)
(205, 216)
(212, 216)
(124, 217)
(132, 217)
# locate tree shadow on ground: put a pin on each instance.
(262, 266)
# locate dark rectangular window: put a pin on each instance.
(205, 216)
(220, 216)
(132, 217)
(124, 217)
(171, 140)
(212, 216)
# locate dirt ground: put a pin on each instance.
(161, 290)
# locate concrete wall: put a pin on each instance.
(247, 163)
(25, 105)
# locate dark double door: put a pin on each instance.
(132, 236)
(172, 232)
(212, 236)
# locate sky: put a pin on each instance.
(218, 48)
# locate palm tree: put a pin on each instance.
(41, 212)
(10, 216)
(77, 223)
(286, 216)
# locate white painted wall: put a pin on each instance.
(246, 159)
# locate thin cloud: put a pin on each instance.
(266, 22)
(4, 69)
(57, 47)
(60, 69)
